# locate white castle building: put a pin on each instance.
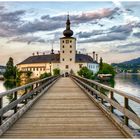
(67, 60)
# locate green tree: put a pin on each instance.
(56, 71)
(101, 64)
(107, 69)
(29, 74)
(44, 75)
(86, 73)
(11, 70)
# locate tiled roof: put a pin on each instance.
(55, 58)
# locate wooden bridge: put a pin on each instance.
(68, 107)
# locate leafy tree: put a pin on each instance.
(107, 69)
(44, 75)
(29, 74)
(86, 73)
(101, 64)
(56, 71)
(11, 70)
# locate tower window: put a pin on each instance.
(70, 51)
(63, 59)
(70, 41)
(70, 59)
(67, 66)
(63, 46)
(63, 51)
(67, 41)
(63, 41)
(70, 46)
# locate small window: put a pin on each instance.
(36, 69)
(63, 46)
(70, 51)
(44, 69)
(67, 66)
(70, 41)
(67, 41)
(70, 59)
(80, 65)
(33, 69)
(40, 69)
(63, 51)
(63, 59)
(63, 41)
(70, 46)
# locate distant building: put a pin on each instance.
(67, 60)
(2, 69)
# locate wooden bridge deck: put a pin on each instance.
(65, 111)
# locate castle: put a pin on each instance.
(67, 59)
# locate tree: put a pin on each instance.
(86, 73)
(44, 75)
(107, 69)
(29, 73)
(101, 64)
(56, 71)
(11, 70)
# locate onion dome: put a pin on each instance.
(68, 32)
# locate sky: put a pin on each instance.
(110, 28)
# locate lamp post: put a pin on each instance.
(50, 67)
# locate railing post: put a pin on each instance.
(15, 98)
(112, 98)
(126, 105)
(32, 87)
(26, 90)
(96, 87)
(0, 108)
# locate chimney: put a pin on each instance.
(43, 53)
(97, 57)
(93, 56)
(33, 54)
(58, 52)
(37, 53)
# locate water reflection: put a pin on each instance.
(129, 83)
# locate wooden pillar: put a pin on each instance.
(126, 105)
(112, 98)
(15, 98)
(0, 108)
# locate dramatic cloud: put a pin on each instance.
(28, 39)
(127, 48)
(85, 17)
(11, 17)
(137, 34)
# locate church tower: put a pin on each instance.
(67, 49)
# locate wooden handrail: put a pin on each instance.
(35, 89)
(93, 88)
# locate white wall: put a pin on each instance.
(93, 67)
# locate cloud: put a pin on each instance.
(28, 39)
(11, 17)
(127, 48)
(137, 35)
(121, 32)
(85, 17)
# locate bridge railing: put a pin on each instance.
(22, 98)
(105, 97)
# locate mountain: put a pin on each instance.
(131, 65)
(133, 61)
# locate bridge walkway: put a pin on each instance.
(65, 111)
